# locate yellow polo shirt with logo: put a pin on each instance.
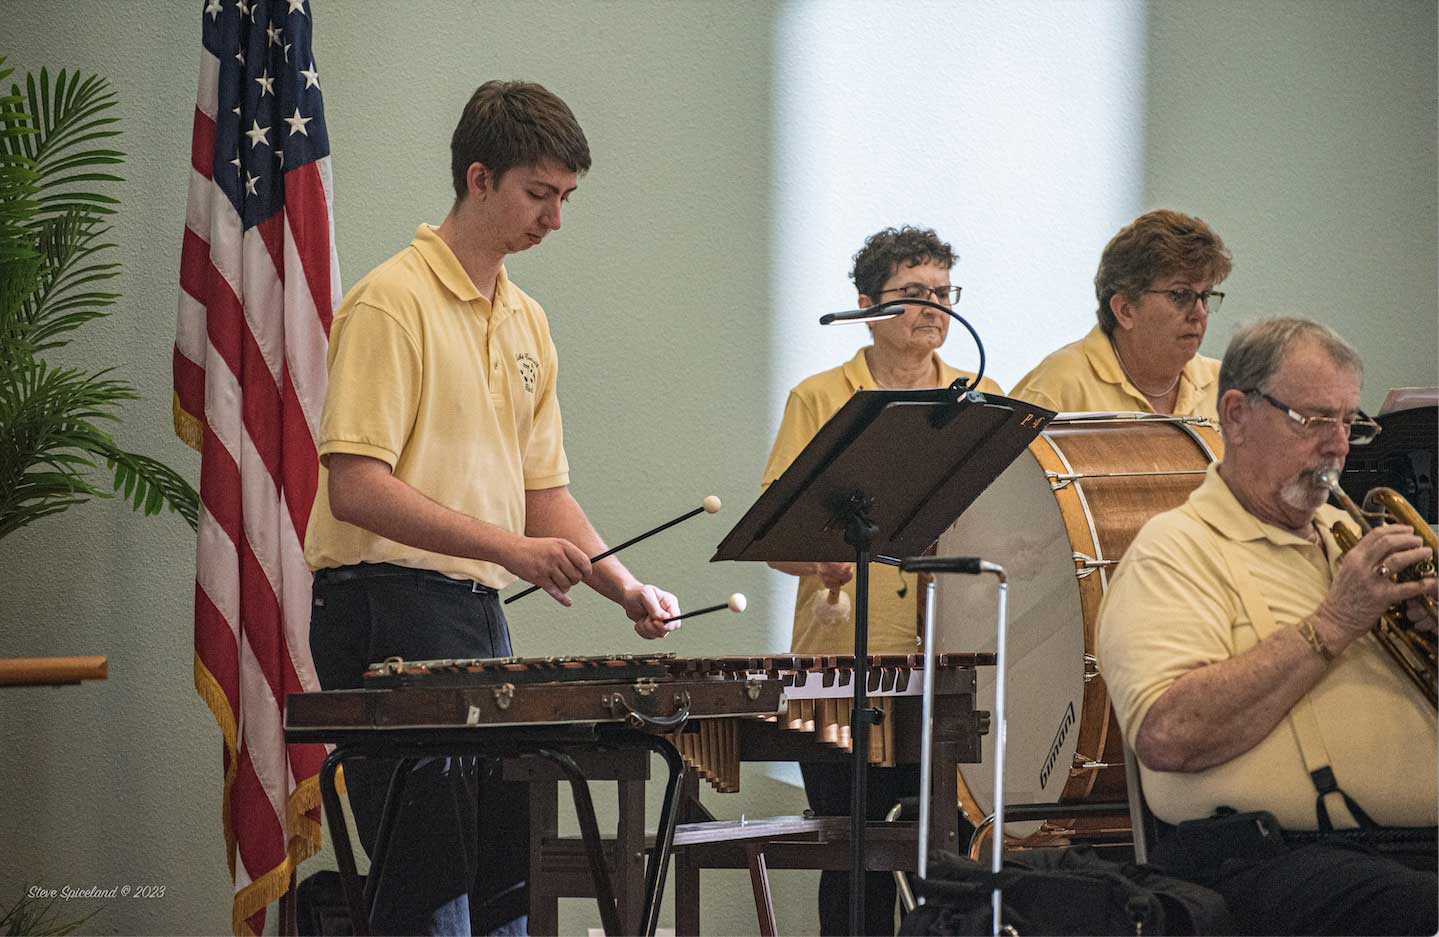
(893, 595)
(1172, 607)
(454, 393)
(1086, 376)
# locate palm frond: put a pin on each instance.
(19, 182)
(65, 115)
(49, 440)
(61, 299)
(38, 916)
(54, 168)
(150, 485)
(65, 118)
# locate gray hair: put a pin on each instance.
(1257, 351)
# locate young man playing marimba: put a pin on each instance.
(443, 478)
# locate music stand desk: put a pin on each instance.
(881, 480)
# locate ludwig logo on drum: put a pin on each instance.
(1055, 747)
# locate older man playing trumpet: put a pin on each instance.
(1292, 765)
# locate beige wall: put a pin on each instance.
(1305, 132)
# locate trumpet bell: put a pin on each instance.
(1411, 645)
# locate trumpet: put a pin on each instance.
(1412, 649)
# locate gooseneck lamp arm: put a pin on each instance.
(895, 307)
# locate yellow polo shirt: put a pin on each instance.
(1172, 607)
(455, 394)
(893, 595)
(1086, 376)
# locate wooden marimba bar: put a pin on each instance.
(816, 703)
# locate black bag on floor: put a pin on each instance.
(320, 909)
(1062, 891)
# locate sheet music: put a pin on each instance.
(1407, 398)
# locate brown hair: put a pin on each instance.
(1155, 245)
(515, 123)
(884, 251)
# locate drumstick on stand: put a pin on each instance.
(711, 505)
(736, 604)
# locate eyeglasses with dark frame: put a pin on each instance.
(1183, 299)
(1360, 429)
(944, 295)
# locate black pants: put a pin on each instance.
(827, 785)
(1307, 884)
(460, 852)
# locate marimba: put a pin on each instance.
(719, 711)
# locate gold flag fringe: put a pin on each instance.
(305, 837)
(190, 428)
(305, 841)
(209, 689)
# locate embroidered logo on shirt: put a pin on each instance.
(529, 369)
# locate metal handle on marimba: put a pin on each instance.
(646, 723)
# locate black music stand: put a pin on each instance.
(882, 479)
(1404, 457)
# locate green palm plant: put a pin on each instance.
(53, 224)
(37, 917)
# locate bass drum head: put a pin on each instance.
(1017, 523)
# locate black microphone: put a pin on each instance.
(886, 310)
(895, 307)
(969, 565)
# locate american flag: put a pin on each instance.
(259, 281)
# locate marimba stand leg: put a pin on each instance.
(357, 897)
(664, 832)
(340, 837)
(629, 856)
(687, 873)
(759, 880)
(544, 825)
(394, 797)
(551, 861)
(589, 830)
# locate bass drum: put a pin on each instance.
(1058, 520)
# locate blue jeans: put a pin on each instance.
(459, 854)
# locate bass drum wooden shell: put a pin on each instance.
(1058, 520)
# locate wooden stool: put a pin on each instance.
(559, 866)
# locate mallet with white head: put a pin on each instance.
(710, 505)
